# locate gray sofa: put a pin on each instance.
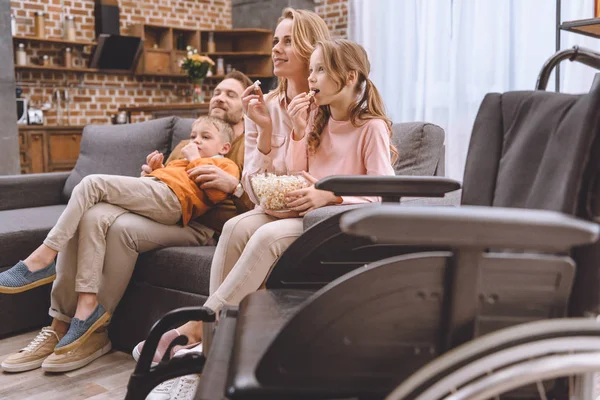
(163, 279)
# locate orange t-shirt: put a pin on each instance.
(194, 201)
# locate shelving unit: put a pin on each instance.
(247, 50)
(23, 38)
(588, 27)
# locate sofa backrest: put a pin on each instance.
(420, 148)
(181, 130)
(122, 149)
(119, 149)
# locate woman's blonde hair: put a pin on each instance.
(307, 29)
(340, 57)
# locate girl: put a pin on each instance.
(348, 134)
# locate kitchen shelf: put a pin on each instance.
(65, 69)
(54, 40)
(247, 50)
(588, 27)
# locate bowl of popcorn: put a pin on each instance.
(270, 189)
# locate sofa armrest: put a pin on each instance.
(471, 226)
(32, 190)
(388, 187)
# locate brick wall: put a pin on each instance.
(96, 96)
(335, 14)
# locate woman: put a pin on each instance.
(251, 242)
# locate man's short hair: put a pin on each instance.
(225, 130)
(240, 77)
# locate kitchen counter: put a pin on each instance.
(186, 110)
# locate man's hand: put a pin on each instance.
(190, 151)
(211, 177)
(310, 198)
(154, 161)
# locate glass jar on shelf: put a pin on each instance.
(69, 28)
(46, 60)
(212, 47)
(40, 24)
(21, 56)
(13, 24)
(220, 66)
(68, 58)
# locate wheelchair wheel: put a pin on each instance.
(494, 354)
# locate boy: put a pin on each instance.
(166, 195)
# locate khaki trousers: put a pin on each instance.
(125, 237)
(144, 196)
(247, 250)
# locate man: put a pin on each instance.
(129, 235)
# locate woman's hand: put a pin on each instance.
(256, 109)
(282, 214)
(211, 177)
(154, 161)
(190, 151)
(310, 198)
(298, 112)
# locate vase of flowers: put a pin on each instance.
(196, 67)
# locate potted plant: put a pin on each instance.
(196, 67)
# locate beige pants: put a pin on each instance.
(144, 196)
(247, 250)
(125, 237)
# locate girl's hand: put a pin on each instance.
(256, 109)
(310, 198)
(298, 112)
(154, 161)
(190, 151)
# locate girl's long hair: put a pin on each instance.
(340, 57)
(307, 29)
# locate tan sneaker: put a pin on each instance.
(96, 345)
(32, 356)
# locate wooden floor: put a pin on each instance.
(105, 378)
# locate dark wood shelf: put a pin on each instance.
(153, 50)
(183, 75)
(65, 69)
(51, 127)
(238, 54)
(54, 40)
(588, 27)
(236, 31)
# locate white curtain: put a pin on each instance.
(434, 60)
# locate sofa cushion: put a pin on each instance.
(185, 269)
(118, 149)
(182, 127)
(420, 147)
(24, 229)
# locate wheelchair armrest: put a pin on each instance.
(388, 186)
(470, 226)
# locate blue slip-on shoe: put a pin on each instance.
(80, 330)
(19, 278)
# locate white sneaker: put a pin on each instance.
(184, 351)
(181, 388)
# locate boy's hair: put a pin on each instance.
(340, 57)
(225, 130)
(240, 77)
(307, 29)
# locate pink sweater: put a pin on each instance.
(345, 150)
